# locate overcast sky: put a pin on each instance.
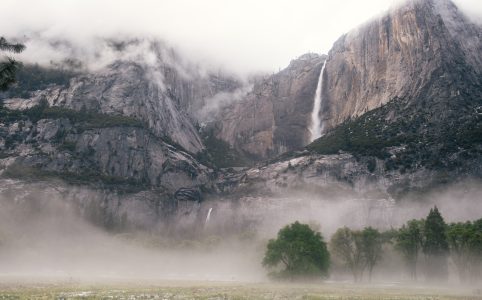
(243, 35)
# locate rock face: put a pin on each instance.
(117, 177)
(117, 154)
(341, 174)
(315, 174)
(397, 56)
(417, 72)
(274, 117)
(157, 87)
(126, 131)
(110, 210)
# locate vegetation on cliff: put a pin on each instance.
(413, 139)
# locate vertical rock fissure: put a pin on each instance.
(316, 126)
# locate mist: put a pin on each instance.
(214, 104)
(45, 233)
(43, 236)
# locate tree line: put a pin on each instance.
(426, 244)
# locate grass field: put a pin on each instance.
(218, 290)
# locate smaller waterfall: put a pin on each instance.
(208, 217)
(315, 129)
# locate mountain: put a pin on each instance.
(401, 109)
(131, 121)
(148, 134)
(423, 51)
(145, 80)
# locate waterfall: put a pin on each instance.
(315, 129)
(208, 216)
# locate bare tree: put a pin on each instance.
(347, 245)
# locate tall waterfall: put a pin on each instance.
(315, 129)
(208, 217)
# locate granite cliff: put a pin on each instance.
(402, 54)
(399, 55)
(274, 117)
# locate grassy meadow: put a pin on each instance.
(221, 290)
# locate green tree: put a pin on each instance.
(372, 242)
(408, 242)
(458, 237)
(475, 245)
(8, 66)
(435, 245)
(298, 251)
(465, 244)
(347, 246)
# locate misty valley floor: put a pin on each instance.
(222, 290)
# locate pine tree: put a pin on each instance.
(459, 236)
(9, 66)
(435, 246)
(408, 242)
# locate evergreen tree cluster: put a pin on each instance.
(428, 245)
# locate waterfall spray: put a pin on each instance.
(315, 129)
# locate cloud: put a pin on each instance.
(244, 36)
(222, 99)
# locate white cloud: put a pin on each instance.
(243, 35)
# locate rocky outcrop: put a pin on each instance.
(118, 154)
(115, 211)
(397, 56)
(341, 175)
(274, 117)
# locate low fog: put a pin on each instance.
(45, 234)
(44, 237)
